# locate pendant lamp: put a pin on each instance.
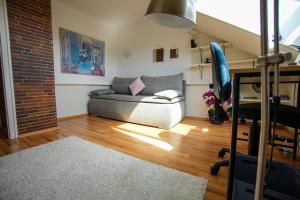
(172, 13)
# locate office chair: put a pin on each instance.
(286, 115)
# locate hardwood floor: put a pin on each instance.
(190, 146)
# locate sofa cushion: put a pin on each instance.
(102, 91)
(121, 85)
(156, 84)
(139, 98)
(136, 86)
(168, 94)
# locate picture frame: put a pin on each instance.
(80, 54)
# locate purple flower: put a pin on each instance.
(228, 101)
(209, 93)
(209, 97)
(210, 101)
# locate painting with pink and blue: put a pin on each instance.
(81, 54)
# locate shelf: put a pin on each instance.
(258, 100)
(225, 44)
(243, 61)
(200, 65)
(229, 63)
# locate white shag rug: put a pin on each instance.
(74, 169)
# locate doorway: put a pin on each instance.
(3, 117)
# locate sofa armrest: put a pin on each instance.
(101, 92)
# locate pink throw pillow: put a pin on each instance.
(136, 86)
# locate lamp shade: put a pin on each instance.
(172, 13)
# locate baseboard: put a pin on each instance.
(196, 118)
(47, 130)
(71, 117)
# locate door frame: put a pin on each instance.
(7, 73)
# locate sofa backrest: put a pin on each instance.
(153, 84)
(121, 85)
(156, 84)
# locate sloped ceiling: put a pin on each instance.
(241, 38)
(114, 13)
(118, 14)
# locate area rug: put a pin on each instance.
(73, 168)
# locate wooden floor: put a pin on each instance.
(190, 146)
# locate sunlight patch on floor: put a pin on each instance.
(144, 130)
(158, 143)
(204, 130)
(182, 129)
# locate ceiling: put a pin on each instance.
(114, 13)
(120, 13)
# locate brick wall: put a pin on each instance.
(30, 31)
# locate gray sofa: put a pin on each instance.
(146, 108)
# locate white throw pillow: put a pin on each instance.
(169, 94)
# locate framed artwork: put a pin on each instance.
(174, 53)
(158, 55)
(81, 54)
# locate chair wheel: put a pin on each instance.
(221, 153)
(214, 170)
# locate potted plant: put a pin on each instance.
(210, 99)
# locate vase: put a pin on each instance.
(210, 117)
(193, 43)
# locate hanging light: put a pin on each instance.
(172, 13)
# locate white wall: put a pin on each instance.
(129, 54)
(71, 89)
(74, 102)
(139, 40)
